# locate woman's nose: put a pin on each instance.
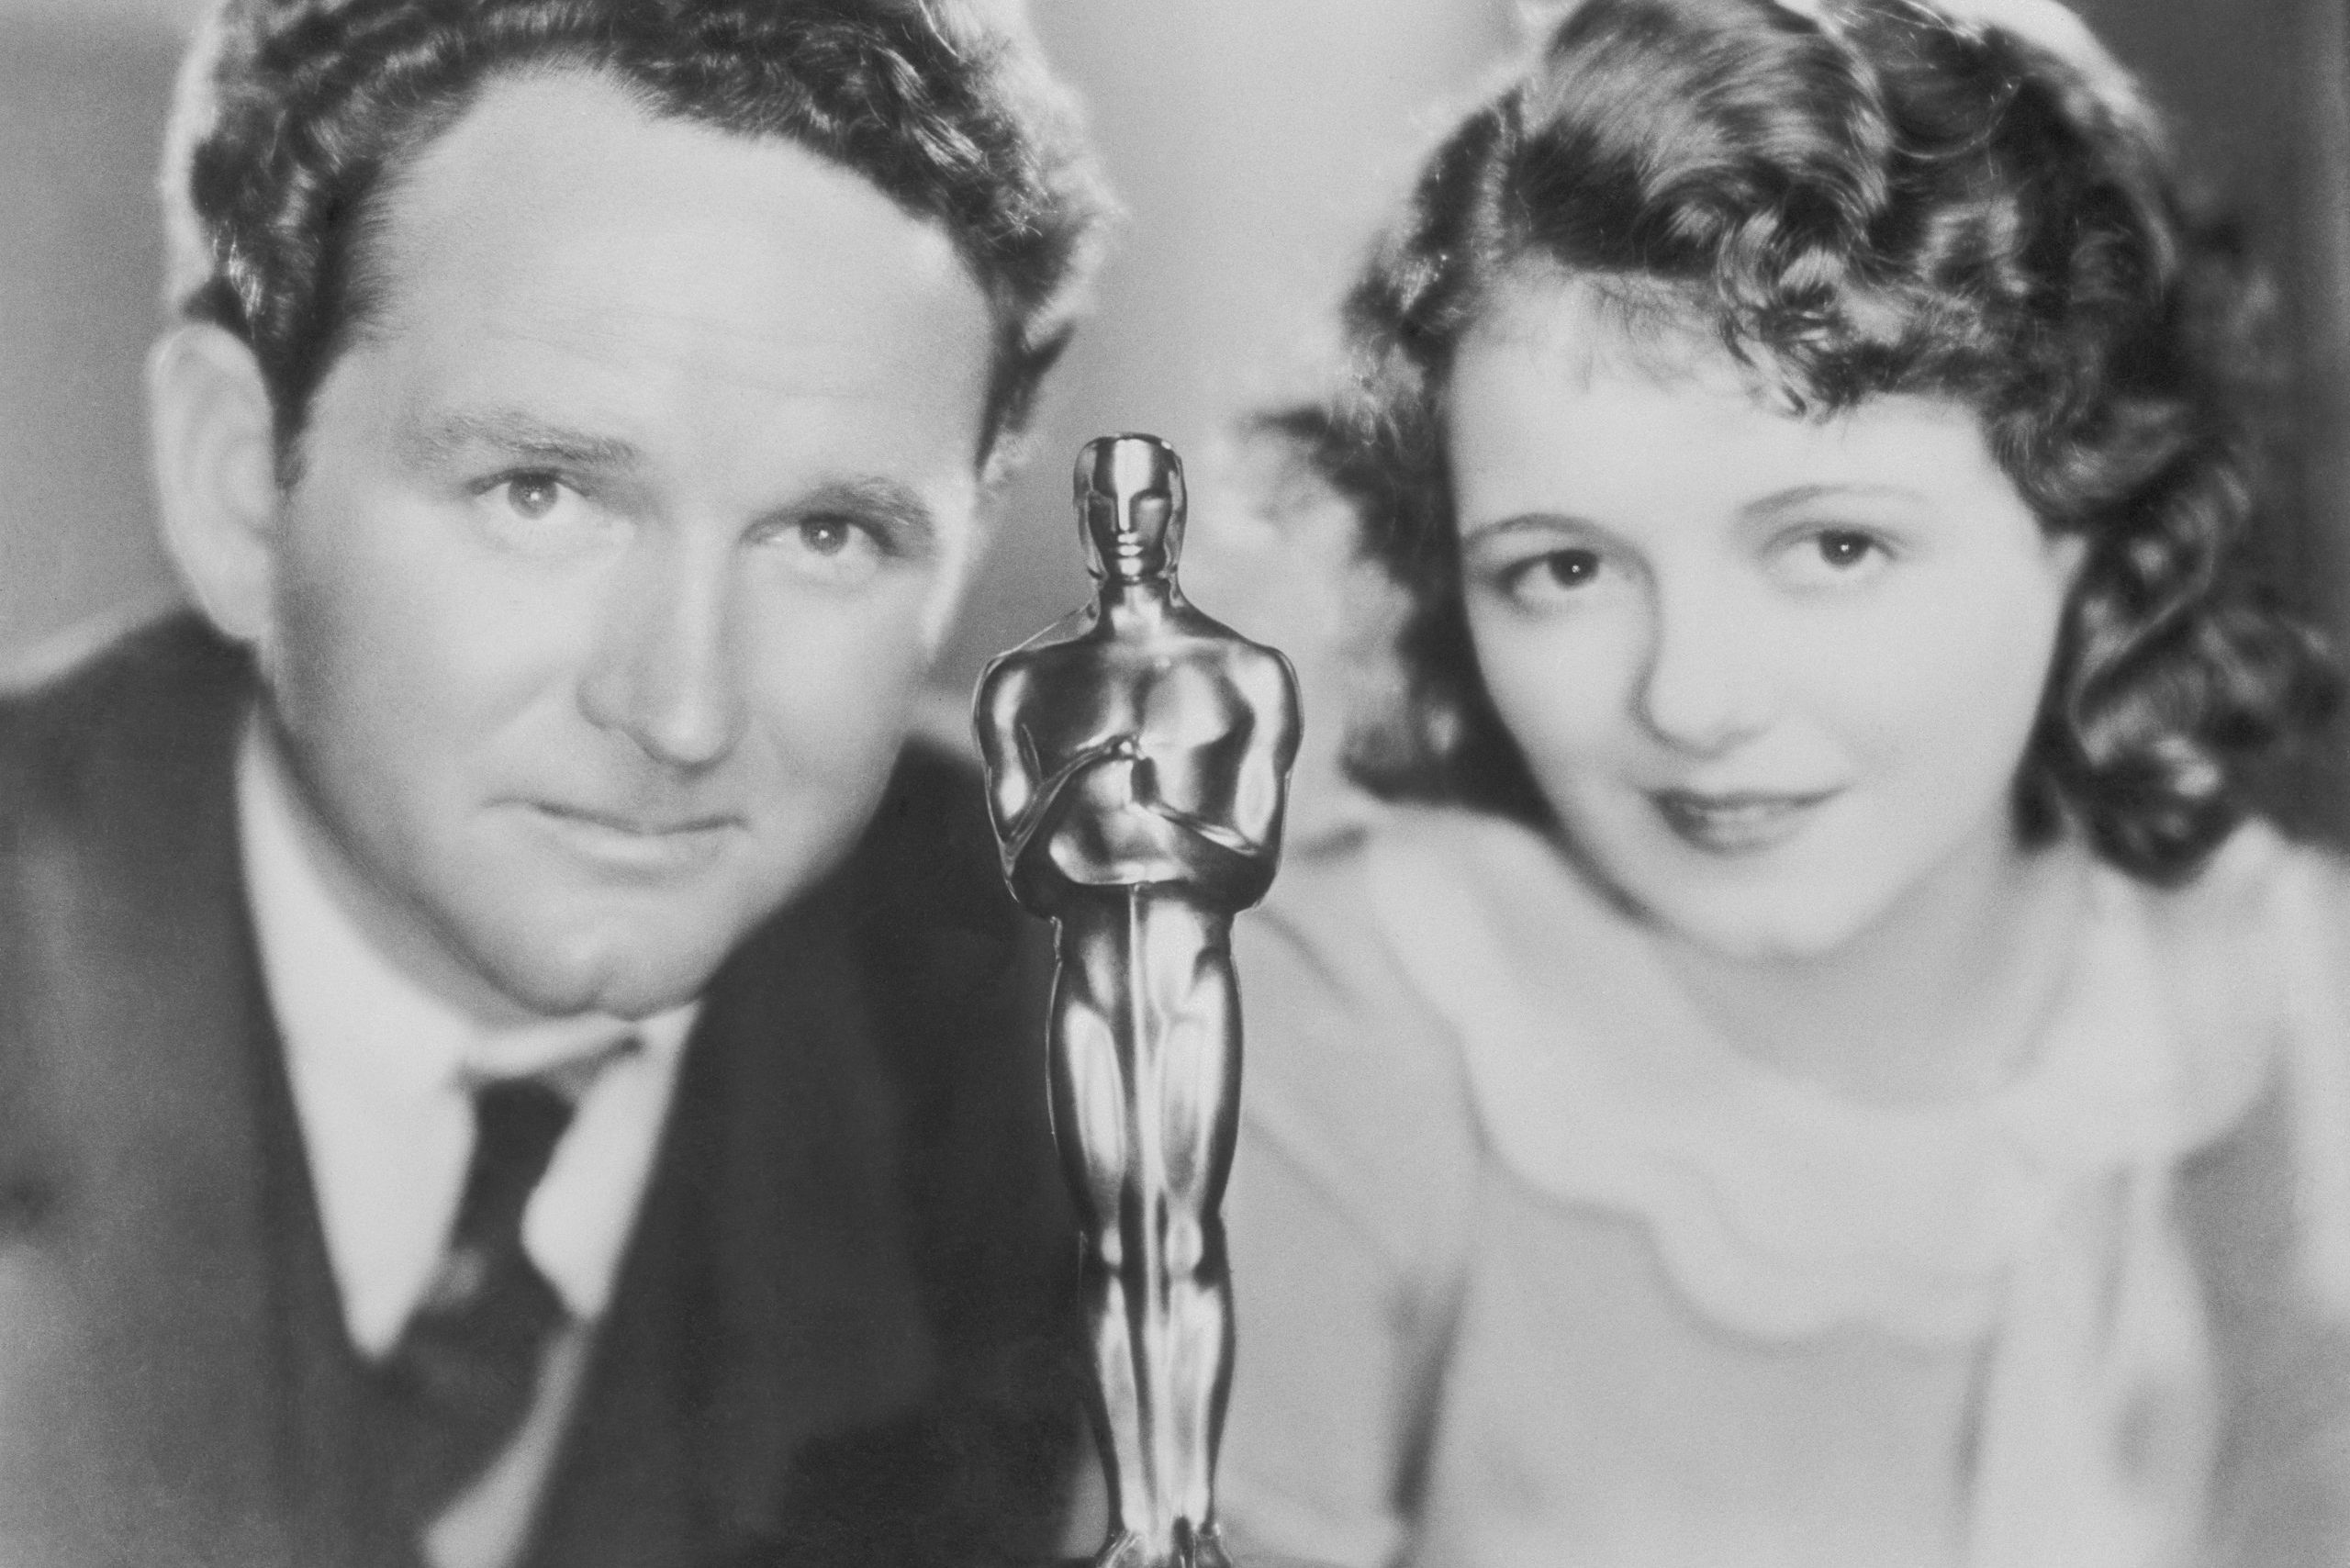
(1707, 683)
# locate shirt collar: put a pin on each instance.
(380, 1070)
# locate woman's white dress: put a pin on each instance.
(1534, 1270)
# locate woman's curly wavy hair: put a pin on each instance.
(291, 115)
(1860, 197)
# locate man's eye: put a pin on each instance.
(835, 551)
(828, 535)
(532, 495)
(540, 513)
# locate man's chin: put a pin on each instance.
(621, 976)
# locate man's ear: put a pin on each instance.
(216, 469)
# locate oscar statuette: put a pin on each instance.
(1137, 757)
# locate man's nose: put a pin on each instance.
(665, 671)
(1706, 684)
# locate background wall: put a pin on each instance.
(82, 96)
(1253, 142)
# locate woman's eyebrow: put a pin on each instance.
(1797, 498)
(1527, 523)
(522, 435)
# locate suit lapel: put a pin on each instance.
(765, 1296)
(146, 1014)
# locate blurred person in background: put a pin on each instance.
(506, 1056)
(1816, 1062)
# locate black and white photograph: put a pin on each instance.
(1201, 784)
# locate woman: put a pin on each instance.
(1817, 1067)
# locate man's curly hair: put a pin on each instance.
(1860, 197)
(291, 114)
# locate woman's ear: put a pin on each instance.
(2066, 552)
(215, 471)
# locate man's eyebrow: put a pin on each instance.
(874, 497)
(522, 435)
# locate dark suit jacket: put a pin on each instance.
(842, 1325)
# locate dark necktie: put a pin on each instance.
(465, 1370)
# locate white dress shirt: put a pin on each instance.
(381, 1071)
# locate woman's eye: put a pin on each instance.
(1551, 576)
(1843, 547)
(1831, 558)
(1570, 568)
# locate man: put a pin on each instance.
(502, 1060)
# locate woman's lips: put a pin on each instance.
(1743, 822)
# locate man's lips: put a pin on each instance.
(633, 842)
(1736, 822)
(643, 826)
